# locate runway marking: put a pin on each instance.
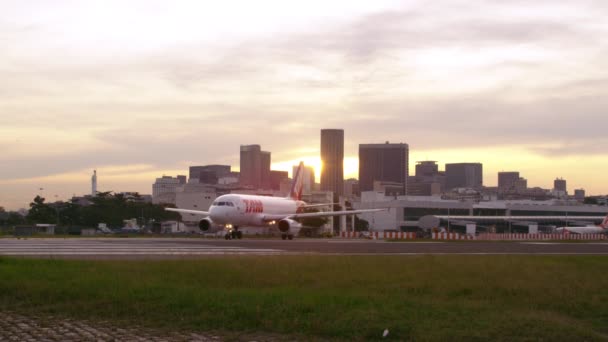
(563, 243)
(468, 253)
(62, 248)
(383, 241)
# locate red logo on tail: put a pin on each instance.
(298, 183)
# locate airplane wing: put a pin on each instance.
(277, 217)
(318, 205)
(188, 211)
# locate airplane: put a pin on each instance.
(602, 228)
(234, 210)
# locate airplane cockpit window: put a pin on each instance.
(223, 204)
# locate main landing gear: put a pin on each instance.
(286, 236)
(234, 234)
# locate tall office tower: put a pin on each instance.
(385, 163)
(255, 167)
(507, 180)
(332, 158)
(464, 175)
(94, 183)
(308, 177)
(266, 180)
(559, 184)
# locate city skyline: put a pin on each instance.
(143, 88)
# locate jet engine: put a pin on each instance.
(289, 227)
(205, 224)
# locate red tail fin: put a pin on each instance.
(298, 184)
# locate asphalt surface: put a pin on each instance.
(119, 248)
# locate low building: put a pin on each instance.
(166, 184)
(404, 212)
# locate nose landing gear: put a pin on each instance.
(234, 234)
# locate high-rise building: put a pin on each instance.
(507, 180)
(255, 167)
(276, 178)
(559, 184)
(308, 179)
(167, 184)
(427, 181)
(351, 188)
(521, 184)
(464, 175)
(332, 158)
(209, 174)
(428, 168)
(579, 194)
(385, 163)
(265, 182)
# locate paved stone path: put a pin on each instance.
(14, 327)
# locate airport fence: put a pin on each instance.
(379, 235)
(481, 237)
(451, 236)
(522, 236)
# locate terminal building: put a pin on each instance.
(411, 213)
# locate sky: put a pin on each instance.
(138, 89)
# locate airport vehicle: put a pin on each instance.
(602, 228)
(231, 211)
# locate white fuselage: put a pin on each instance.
(250, 210)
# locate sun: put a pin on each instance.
(351, 166)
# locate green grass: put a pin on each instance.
(424, 298)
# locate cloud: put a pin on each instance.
(457, 74)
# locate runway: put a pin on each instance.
(127, 248)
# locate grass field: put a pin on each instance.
(320, 297)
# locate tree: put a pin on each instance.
(14, 218)
(361, 225)
(590, 200)
(313, 222)
(3, 216)
(41, 212)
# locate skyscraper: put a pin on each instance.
(385, 163)
(507, 180)
(308, 179)
(255, 167)
(559, 184)
(332, 158)
(464, 175)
